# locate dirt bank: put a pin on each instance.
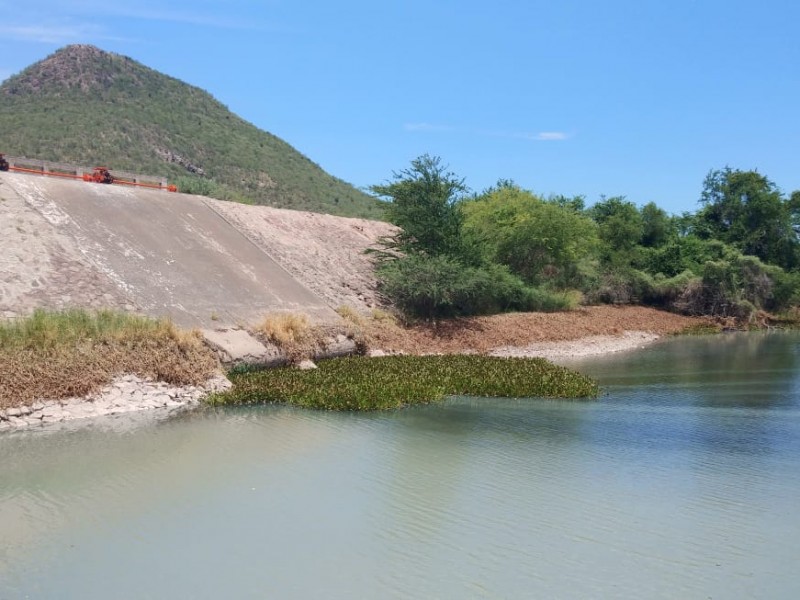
(521, 330)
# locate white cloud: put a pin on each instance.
(42, 33)
(542, 136)
(214, 14)
(186, 17)
(56, 34)
(551, 136)
(76, 20)
(426, 127)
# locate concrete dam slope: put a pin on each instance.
(70, 243)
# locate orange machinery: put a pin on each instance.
(98, 175)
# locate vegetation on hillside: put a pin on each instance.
(86, 106)
(75, 352)
(509, 249)
(359, 383)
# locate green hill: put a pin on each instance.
(86, 106)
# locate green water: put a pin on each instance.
(681, 481)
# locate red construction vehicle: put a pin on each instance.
(98, 174)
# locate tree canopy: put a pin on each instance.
(748, 211)
(509, 249)
(541, 241)
(423, 203)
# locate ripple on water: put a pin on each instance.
(671, 485)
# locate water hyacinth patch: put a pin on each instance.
(360, 383)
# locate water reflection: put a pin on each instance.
(730, 393)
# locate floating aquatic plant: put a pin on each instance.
(360, 383)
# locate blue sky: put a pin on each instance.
(629, 98)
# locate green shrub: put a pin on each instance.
(786, 289)
(439, 286)
(196, 185)
(544, 300)
(540, 241)
(737, 287)
(622, 286)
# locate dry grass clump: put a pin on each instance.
(285, 329)
(379, 329)
(75, 352)
(293, 334)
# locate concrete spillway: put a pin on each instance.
(65, 243)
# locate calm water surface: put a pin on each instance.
(682, 481)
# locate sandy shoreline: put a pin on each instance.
(589, 346)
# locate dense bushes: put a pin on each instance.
(508, 249)
(443, 263)
(441, 286)
(734, 286)
(542, 242)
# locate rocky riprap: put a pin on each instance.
(126, 394)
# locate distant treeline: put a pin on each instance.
(509, 249)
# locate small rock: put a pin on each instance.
(218, 383)
(14, 412)
(376, 353)
(160, 400)
(80, 411)
(52, 411)
(306, 365)
(101, 405)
